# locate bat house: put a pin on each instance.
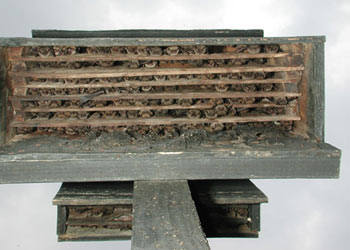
(127, 117)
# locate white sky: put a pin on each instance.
(301, 214)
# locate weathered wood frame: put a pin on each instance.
(291, 162)
(207, 195)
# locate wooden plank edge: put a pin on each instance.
(148, 121)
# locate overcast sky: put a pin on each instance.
(301, 214)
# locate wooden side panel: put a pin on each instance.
(61, 219)
(165, 217)
(3, 98)
(254, 213)
(316, 93)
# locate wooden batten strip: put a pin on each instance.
(153, 107)
(148, 121)
(161, 95)
(96, 222)
(120, 108)
(98, 72)
(123, 57)
(126, 84)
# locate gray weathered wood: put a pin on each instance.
(165, 217)
(90, 193)
(53, 159)
(145, 33)
(61, 219)
(254, 212)
(21, 41)
(227, 192)
(316, 93)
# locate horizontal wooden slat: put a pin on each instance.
(153, 107)
(125, 84)
(161, 95)
(121, 57)
(120, 108)
(97, 222)
(147, 121)
(100, 72)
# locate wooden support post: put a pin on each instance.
(165, 217)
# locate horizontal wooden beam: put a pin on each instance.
(215, 41)
(151, 107)
(100, 72)
(147, 121)
(127, 57)
(160, 95)
(127, 84)
(55, 159)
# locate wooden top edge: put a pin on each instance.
(131, 33)
(169, 41)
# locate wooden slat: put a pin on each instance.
(147, 121)
(161, 95)
(152, 107)
(120, 108)
(99, 72)
(125, 84)
(116, 57)
(165, 217)
(96, 222)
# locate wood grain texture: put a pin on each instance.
(316, 93)
(94, 193)
(268, 162)
(219, 41)
(165, 217)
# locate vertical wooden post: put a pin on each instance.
(165, 217)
